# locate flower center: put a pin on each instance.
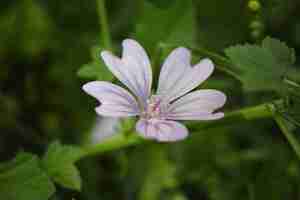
(155, 108)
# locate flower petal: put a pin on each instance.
(104, 128)
(183, 77)
(161, 130)
(198, 105)
(173, 68)
(115, 101)
(133, 69)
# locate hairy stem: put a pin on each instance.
(244, 114)
(123, 140)
(105, 34)
(288, 135)
(117, 141)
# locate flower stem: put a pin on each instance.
(288, 135)
(244, 114)
(115, 142)
(121, 140)
(105, 34)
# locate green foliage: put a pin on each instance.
(166, 25)
(96, 69)
(27, 26)
(59, 163)
(221, 23)
(23, 179)
(43, 45)
(262, 67)
(284, 55)
(228, 162)
(289, 109)
(154, 174)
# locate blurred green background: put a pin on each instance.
(48, 49)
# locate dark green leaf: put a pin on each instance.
(166, 25)
(59, 162)
(23, 179)
(281, 52)
(262, 67)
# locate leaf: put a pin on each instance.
(157, 25)
(68, 177)
(96, 69)
(262, 67)
(23, 179)
(88, 71)
(281, 52)
(59, 162)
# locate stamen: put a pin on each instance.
(155, 108)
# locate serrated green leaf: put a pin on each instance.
(23, 179)
(166, 25)
(262, 67)
(281, 52)
(60, 164)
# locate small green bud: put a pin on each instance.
(256, 25)
(256, 34)
(254, 5)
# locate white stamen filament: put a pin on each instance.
(155, 108)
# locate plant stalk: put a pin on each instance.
(288, 135)
(105, 33)
(121, 140)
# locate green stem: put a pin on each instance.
(244, 114)
(105, 34)
(291, 82)
(121, 140)
(289, 136)
(117, 141)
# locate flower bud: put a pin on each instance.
(254, 5)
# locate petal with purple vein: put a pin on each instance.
(161, 130)
(198, 105)
(115, 101)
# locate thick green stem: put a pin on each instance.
(115, 142)
(245, 114)
(291, 82)
(105, 34)
(121, 140)
(288, 135)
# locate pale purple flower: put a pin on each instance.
(170, 102)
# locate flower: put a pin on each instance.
(171, 102)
